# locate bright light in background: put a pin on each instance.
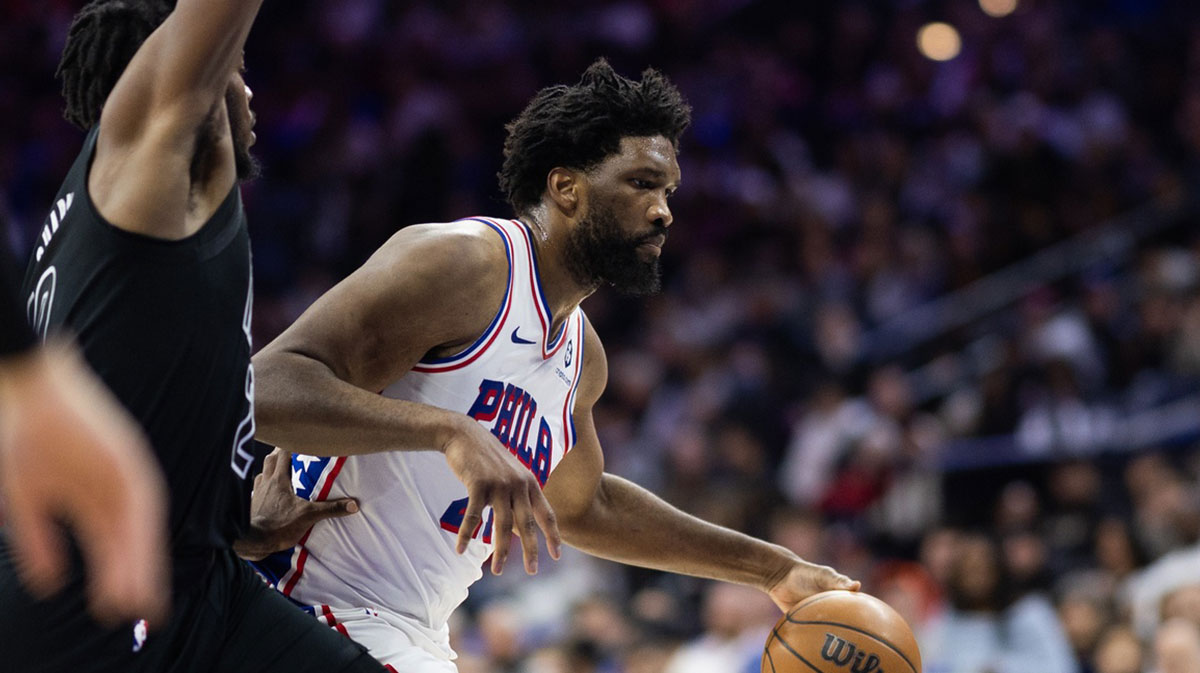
(939, 41)
(998, 8)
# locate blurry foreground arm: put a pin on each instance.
(70, 455)
(143, 176)
(613, 518)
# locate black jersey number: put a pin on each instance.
(243, 458)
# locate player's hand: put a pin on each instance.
(278, 517)
(71, 456)
(494, 477)
(804, 579)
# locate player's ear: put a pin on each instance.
(564, 187)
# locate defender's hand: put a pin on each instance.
(278, 517)
(804, 579)
(494, 477)
(71, 455)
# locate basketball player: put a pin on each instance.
(59, 429)
(145, 256)
(473, 331)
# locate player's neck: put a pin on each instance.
(562, 290)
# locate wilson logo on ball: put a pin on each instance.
(842, 652)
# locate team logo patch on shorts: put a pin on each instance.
(140, 631)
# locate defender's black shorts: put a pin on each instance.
(225, 621)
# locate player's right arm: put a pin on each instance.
(431, 289)
(141, 175)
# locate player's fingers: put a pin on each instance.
(123, 580)
(471, 519)
(543, 513)
(836, 580)
(38, 547)
(502, 520)
(329, 509)
(274, 466)
(525, 526)
(123, 539)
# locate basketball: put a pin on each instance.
(841, 631)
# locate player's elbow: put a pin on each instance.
(581, 520)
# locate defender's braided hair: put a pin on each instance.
(579, 126)
(102, 40)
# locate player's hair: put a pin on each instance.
(579, 126)
(102, 40)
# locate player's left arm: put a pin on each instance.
(613, 518)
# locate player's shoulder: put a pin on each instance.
(468, 243)
(455, 253)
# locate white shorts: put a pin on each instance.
(396, 644)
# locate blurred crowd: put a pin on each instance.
(933, 323)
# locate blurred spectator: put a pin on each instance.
(1118, 651)
(1146, 589)
(911, 590)
(1182, 602)
(737, 621)
(1117, 552)
(988, 630)
(1075, 504)
(820, 440)
(1086, 610)
(939, 549)
(1177, 647)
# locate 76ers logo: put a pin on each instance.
(841, 652)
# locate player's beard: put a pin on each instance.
(247, 166)
(599, 252)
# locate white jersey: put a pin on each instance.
(397, 555)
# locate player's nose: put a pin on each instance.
(660, 213)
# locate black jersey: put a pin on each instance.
(166, 325)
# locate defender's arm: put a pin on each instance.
(141, 176)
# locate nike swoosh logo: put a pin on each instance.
(518, 340)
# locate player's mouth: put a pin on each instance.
(653, 244)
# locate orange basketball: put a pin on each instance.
(841, 632)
